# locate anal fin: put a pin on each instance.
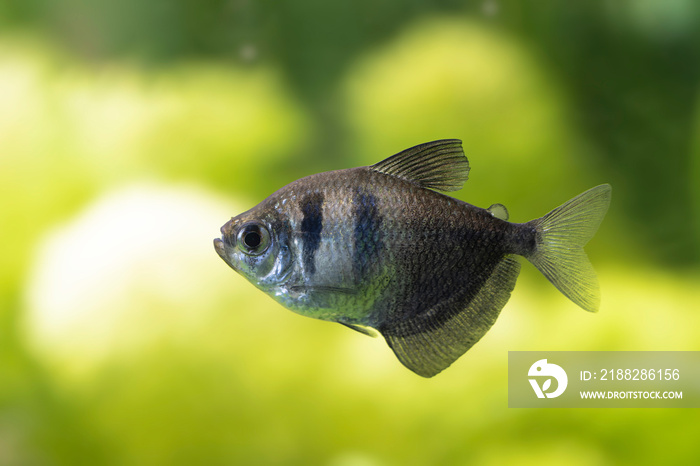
(429, 350)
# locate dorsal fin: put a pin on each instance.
(439, 165)
(499, 211)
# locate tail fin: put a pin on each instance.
(561, 235)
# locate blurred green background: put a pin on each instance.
(131, 131)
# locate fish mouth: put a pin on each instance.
(219, 246)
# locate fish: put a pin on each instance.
(381, 249)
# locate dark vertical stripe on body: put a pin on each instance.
(311, 225)
(368, 233)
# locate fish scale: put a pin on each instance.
(378, 247)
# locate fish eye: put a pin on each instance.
(253, 238)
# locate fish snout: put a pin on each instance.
(227, 229)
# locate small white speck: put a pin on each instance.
(248, 52)
(490, 8)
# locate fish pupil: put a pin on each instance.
(252, 239)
